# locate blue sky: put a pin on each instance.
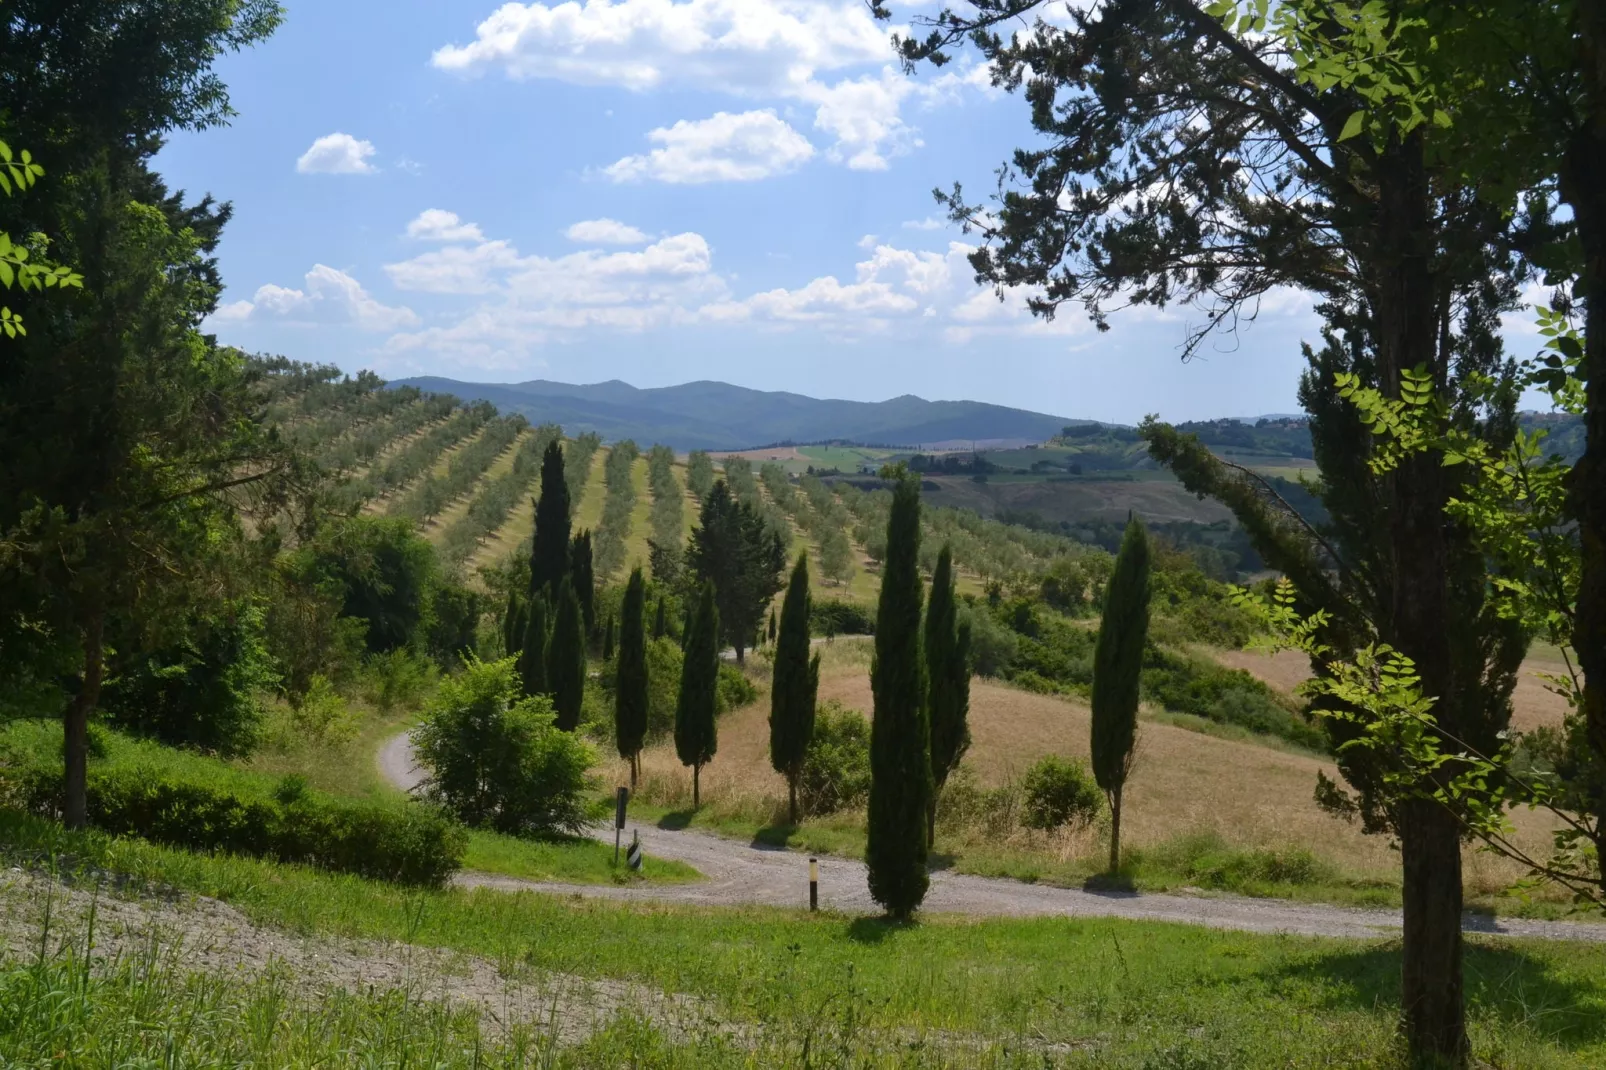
(656, 191)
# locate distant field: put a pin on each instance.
(1156, 500)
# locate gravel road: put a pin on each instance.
(740, 874)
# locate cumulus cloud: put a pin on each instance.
(337, 154)
(722, 148)
(327, 296)
(604, 232)
(437, 224)
(828, 54)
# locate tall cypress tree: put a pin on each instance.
(900, 758)
(660, 623)
(696, 735)
(1117, 668)
(948, 677)
(772, 626)
(549, 548)
(566, 659)
(630, 689)
(514, 621)
(795, 684)
(532, 662)
(583, 576)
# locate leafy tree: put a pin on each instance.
(696, 732)
(582, 576)
(733, 549)
(1117, 673)
(497, 760)
(566, 659)
(700, 473)
(549, 547)
(948, 677)
(454, 622)
(16, 268)
(532, 659)
(794, 685)
(900, 751)
(386, 573)
(631, 690)
(836, 556)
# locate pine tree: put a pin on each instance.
(948, 678)
(630, 690)
(566, 659)
(583, 576)
(1117, 669)
(532, 662)
(900, 759)
(514, 621)
(549, 548)
(795, 683)
(660, 623)
(696, 734)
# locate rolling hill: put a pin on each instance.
(719, 416)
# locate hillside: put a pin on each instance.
(719, 416)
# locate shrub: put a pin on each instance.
(320, 717)
(1059, 793)
(735, 689)
(836, 769)
(200, 804)
(1227, 696)
(399, 678)
(499, 760)
(964, 802)
(832, 616)
(993, 647)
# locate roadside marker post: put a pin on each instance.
(621, 800)
(633, 856)
(814, 884)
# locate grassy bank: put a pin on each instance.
(1065, 992)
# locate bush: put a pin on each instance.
(1206, 860)
(1059, 793)
(399, 678)
(455, 622)
(1226, 696)
(831, 616)
(320, 717)
(836, 769)
(735, 690)
(499, 760)
(964, 802)
(204, 805)
(993, 647)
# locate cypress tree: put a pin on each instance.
(532, 662)
(900, 758)
(772, 626)
(514, 620)
(794, 686)
(1117, 667)
(948, 678)
(607, 640)
(660, 623)
(566, 659)
(696, 735)
(583, 576)
(630, 690)
(549, 547)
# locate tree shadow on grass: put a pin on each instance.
(777, 835)
(876, 929)
(1503, 984)
(1112, 885)
(937, 861)
(676, 820)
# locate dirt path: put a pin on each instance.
(740, 874)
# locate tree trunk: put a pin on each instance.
(741, 652)
(1115, 831)
(696, 790)
(635, 770)
(791, 800)
(1430, 848)
(75, 727)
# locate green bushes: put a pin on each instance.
(1059, 794)
(617, 506)
(836, 768)
(831, 616)
(498, 760)
(733, 689)
(201, 804)
(1226, 696)
(434, 493)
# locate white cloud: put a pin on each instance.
(337, 154)
(829, 54)
(931, 222)
(437, 224)
(455, 269)
(327, 296)
(604, 232)
(725, 147)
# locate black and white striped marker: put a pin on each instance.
(633, 856)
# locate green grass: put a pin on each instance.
(576, 861)
(1041, 992)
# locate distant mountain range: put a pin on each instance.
(718, 416)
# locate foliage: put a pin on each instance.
(699, 473)
(566, 658)
(1117, 674)
(632, 685)
(1060, 794)
(832, 617)
(582, 577)
(617, 505)
(200, 804)
(454, 622)
(384, 573)
(531, 660)
(499, 760)
(549, 552)
(947, 654)
(495, 498)
(733, 689)
(417, 457)
(430, 496)
(577, 458)
(202, 691)
(696, 730)
(900, 750)
(399, 678)
(664, 662)
(733, 549)
(795, 681)
(1202, 688)
(836, 767)
(19, 266)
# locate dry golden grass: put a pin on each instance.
(1532, 704)
(780, 454)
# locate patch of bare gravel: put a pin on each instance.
(204, 936)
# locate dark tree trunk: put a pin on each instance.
(696, 789)
(1115, 831)
(791, 799)
(1431, 986)
(75, 727)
